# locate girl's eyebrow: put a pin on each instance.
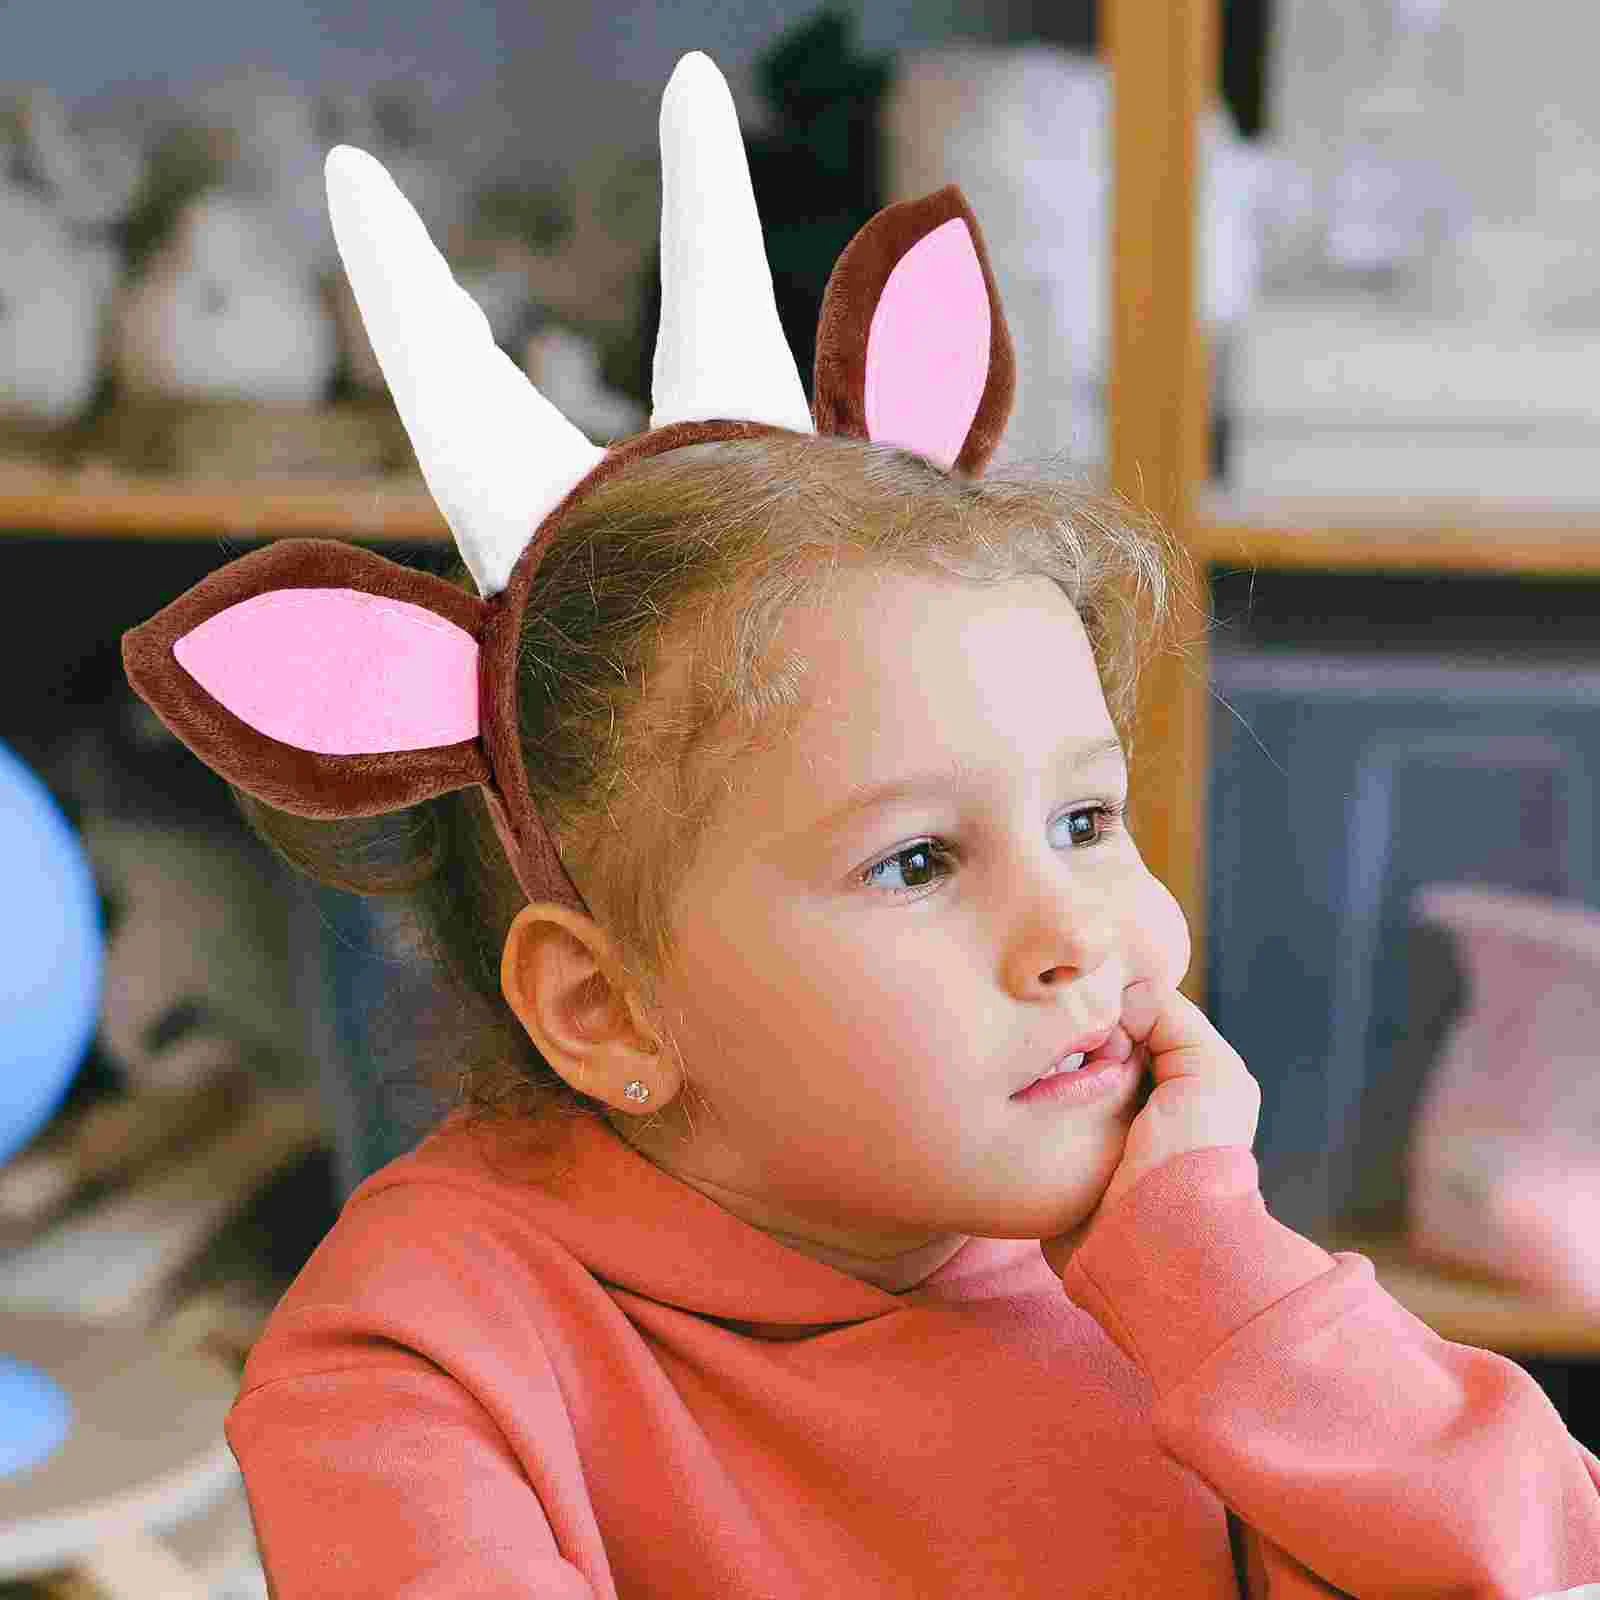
(860, 797)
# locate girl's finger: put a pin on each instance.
(1184, 1043)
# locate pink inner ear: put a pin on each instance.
(928, 347)
(339, 672)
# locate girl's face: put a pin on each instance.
(857, 1005)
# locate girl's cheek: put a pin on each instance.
(1164, 937)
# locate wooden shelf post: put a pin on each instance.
(1163, 62)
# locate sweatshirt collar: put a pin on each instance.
(642, 1230)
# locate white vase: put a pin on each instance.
(1025, 130)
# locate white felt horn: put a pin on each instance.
(497, 456)
(721, 350)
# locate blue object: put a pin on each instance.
(52, 960)
(38, 1416)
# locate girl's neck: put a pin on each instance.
(893, 1274)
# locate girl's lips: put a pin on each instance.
(1099, 1081)
(1118, 1047)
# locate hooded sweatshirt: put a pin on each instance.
(494, 1378)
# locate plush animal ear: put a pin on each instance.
(912, 346)
(320, 678)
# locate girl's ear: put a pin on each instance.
(912, 346)
(320, 678)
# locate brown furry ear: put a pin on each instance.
(912, 344)
(321, 678)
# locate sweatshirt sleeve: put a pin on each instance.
(391, 1480)
(1362, 1453)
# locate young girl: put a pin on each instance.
(854, 1206)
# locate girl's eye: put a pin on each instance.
(923, 854)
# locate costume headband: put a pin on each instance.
(328, 681)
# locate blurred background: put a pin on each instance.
(1398, 295)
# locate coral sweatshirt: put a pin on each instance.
(603, 1383)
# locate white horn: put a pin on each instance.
(721, 350)
(497, 456)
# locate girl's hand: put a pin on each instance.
(1203, 1096)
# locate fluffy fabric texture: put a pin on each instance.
(855, 288)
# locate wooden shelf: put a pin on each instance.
(100, 503)
(1396, 536)
(1347, 535)
(1468, 1308)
